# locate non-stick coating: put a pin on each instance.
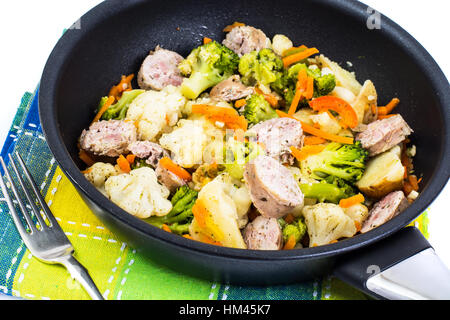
(115, 37)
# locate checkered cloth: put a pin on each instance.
(118, 269)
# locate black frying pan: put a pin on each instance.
(114, 38)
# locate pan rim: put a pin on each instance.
(47, 108)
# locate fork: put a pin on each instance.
(45, 240)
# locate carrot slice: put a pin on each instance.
(385, 116)
(309, 92)
(306, 151)
(389, 107)
(84, 156)
(232, 26)
(206, 40)
(289, 218)
(200, 213)
(168, 164)
(123, 164)
(240, 103)
(293, 50)
(412, 179)
(290, 244)
(103, 109)
(347, 203)
(313, 140)
(226, 115)
(342, 107)
(166, 228)
(270, 98)
(131, 158)
(287, 61)
(124, 85)
(302, 82)
(317, 132)
(358, 226)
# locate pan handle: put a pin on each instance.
(401, 267)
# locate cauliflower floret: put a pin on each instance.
(189, 140)
(327, 222)
(99, 173)
(221, 224)
(139, 193)
(155, 112)
(281, 43)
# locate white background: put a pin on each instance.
(30, 29)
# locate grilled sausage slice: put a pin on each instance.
(246, 39)
(160, 69)
(384, 210)
(263, 234)
(278, 135)
(150, 151)
(382, 135)
(273, 189)
(108, 138)
(231, 89)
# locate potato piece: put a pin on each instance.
(221, 224)
(366, 102)
(344, 94)
(384, 174)
(344, 78)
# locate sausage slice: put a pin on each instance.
(382, 135)
(384, 210)
(108, 138)
(278, 135)
(150, 151)
(273, 189)
(246, 39)
(231, 89)
(263, 234)
(160, 69)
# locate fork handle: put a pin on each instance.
(79, 273)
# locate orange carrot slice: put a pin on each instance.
(168, 164)
(287, 61)
(347, 203)
(317, 132)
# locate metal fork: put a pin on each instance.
(47, 242)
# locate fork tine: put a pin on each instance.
(12, 209)
(45, 208)
(27, 193)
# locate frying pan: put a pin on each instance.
(114, 38)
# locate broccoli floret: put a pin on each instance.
(237, 154)
(257, 109)
(260, 67)
(206, 66)
(119, 110)
(296, 228)
(326, 192)
(344, 161)
(286, 84)
(180, 217)
(323, 85)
